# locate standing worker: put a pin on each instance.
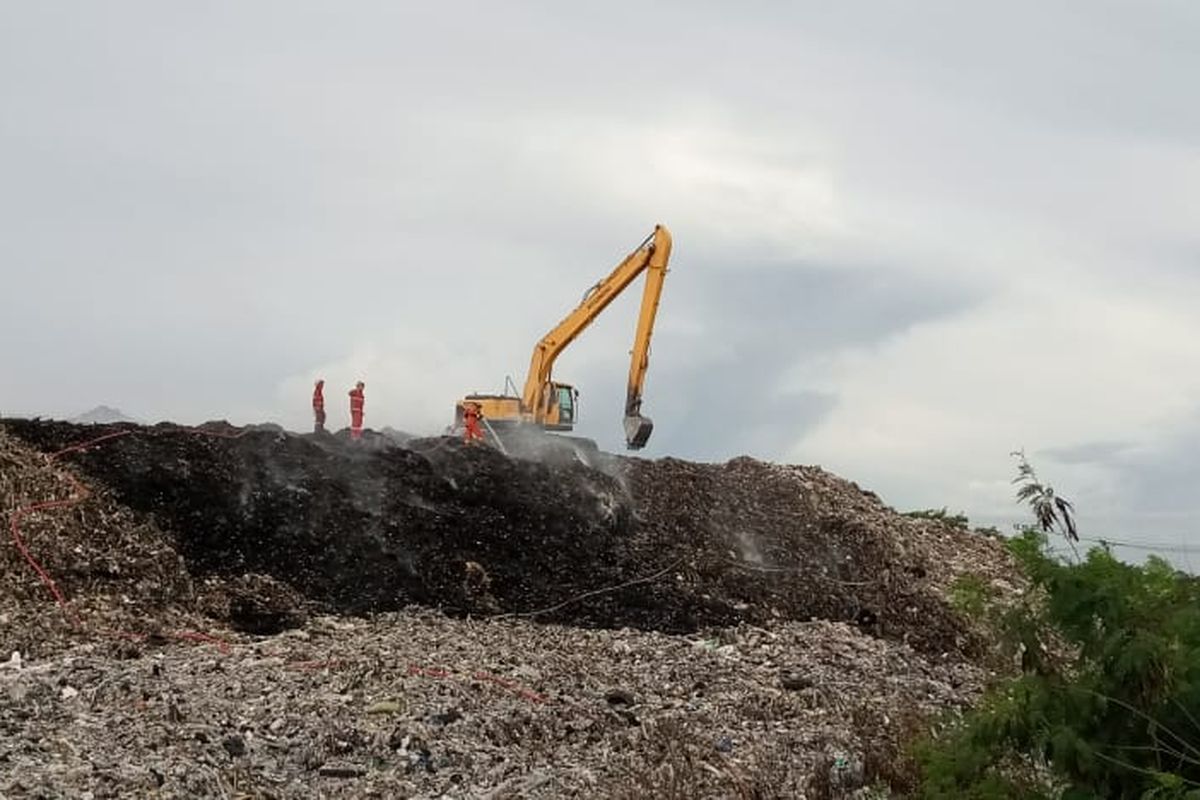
(471, 415)
(319, 407)
(356, 410)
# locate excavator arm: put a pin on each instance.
(637, 427)
(652, 256)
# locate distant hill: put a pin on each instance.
(102, 415)
(399, 437)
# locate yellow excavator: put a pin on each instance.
(548, 405)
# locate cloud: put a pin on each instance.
(1143, 495)
(906, 243)
(1087, 453)
(1029, 369)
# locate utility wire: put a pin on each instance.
(1166, 548)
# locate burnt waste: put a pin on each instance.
(357, 527)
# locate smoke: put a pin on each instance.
(750, 549)
(412, 382)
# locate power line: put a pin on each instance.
(1166, 548)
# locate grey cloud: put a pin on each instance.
(1162, 480)
(786, 310)
(200, 202)
(1166, 481)
(1154, 497)
(1088, 453)
(724, 394)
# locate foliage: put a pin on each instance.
(958, 521)
(1107, 701)
(1051, 511)
(941, 515)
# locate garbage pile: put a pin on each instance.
(419, 705)
(664, 545)
(105, 568)
(249, 612)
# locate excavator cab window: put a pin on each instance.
(566, 405)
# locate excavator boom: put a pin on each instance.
(637, 427)
(550, 405)
(652, 255)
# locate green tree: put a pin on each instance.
(941, 515)
(1107, 702)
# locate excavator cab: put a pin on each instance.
(562, 402)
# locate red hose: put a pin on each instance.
(80, 492)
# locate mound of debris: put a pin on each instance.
(116, 571)
(796, 542)
(419, 705)
(664, 545)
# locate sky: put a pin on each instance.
(910, 237)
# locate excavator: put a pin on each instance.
(548, 405)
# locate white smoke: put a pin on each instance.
(412, 382)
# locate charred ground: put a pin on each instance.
(373, 526)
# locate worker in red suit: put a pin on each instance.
(471, 430)
(319, 407)
(356, 410)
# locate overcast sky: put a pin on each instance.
(910, 237)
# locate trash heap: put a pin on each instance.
(269, 614)
(116, 571)
(654, 545)
(666, 545)
(115, 567)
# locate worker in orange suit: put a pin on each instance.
(319, 407)
(356, 410)
(471, 430)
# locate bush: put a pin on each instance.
(941, 515)
(1107, 699)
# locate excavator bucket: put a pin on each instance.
(637, 431)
